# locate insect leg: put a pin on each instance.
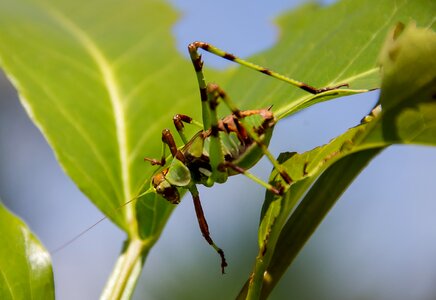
(203, 225)
(216, 154)
(264, 147)
(271, 158)
(216, 51)
(275, 190)
(178, 121)
(167, 140)
(214, 89)
(209, 100)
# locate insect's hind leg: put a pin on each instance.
(288, 180)
(275, 190)
(203, 225)
(198, 65)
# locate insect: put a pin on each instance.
(222, 147)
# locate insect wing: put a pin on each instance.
(195, 146)
(231, 145)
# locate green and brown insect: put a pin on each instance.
(222, 147)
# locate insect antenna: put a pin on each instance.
(72, 240)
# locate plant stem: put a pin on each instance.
(256, 280)
(127, 269)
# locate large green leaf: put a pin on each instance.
(407, 60)
(98, 87)
(99, 80)
(25, 265)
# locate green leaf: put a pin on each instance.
(279, 212)
(408, 93)
(313, 208)
(25, 265)
(97, 86)
(149, 223)
(101, 87)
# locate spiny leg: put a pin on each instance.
(288, 180)
(167, 140)
(198, 65)
(275, 190)
(218, 92)
(203, 225)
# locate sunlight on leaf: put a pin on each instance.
(25, 265)
(98, 98)
(408, 93)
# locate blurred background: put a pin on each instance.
(378, 242)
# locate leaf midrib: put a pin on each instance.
(110, 82)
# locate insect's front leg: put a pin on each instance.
(178, 121)
(167, 140)
(204, 228)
